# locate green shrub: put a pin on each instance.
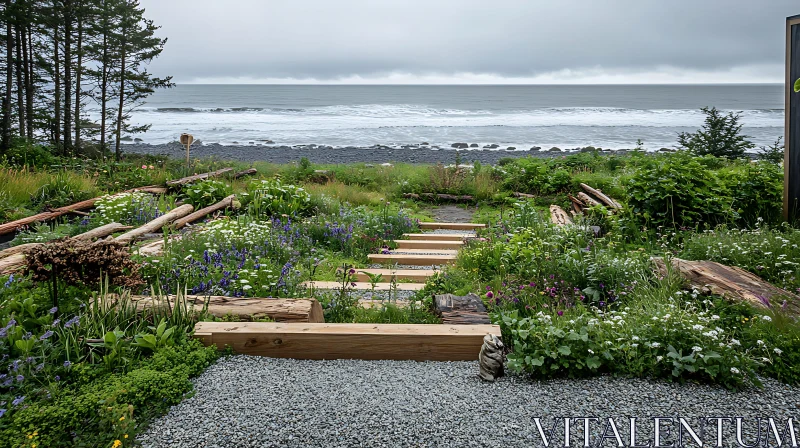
(133, 209)
(207, 192)
(271, 197)
(757, 192)
(720, 136)
(533, 176)
(26, 153)
(677, 191)
(63, 189)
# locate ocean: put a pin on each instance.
(606, 116)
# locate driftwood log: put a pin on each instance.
(13, 226)
(558, 216)
(196, 177)
(192, 217)
(602, 197)
(247, 172)
(524, 195)
(245, 309)
(156, 224)
(490, 359)
(733, 283)
(440, 197)
(16, 261)
(461, 310)
(588, 200)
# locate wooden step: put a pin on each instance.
(420, 342)
(366, 286)
(425, 251)
(413, 260)
(450, 225)
(428, 244)
(414, 275)
(438, 236)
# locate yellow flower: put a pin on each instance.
(122, 418)
(126, 436)
(35, 433)
(116, 444)
(33, 445)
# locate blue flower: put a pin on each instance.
(67, 364)
(20, 378)
(46, 335)
(18, 401)
(2, 413)
(53, 310)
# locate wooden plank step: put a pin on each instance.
(438, 236)
(413, 260)
(428, 244)
(425, 251)
(450, 225)
(419, 342)
(366, 286)
(415, 275)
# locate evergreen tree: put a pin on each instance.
(721, 136)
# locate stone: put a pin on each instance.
(492, 146)
(474, 145)
(511, 148)
(535, 148)
(459, 145)
(554, 149)
(490, 359)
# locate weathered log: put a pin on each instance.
(196, 177)
(225, 203)
(588, 200)
(460, 310)
(247, 172)
(245, 309)
(15, 261)
(524, 195)
(156, 224)
(733, 283)
(153, 190)
(558, 216)
(13, 250)
(602, 197)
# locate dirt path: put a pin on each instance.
(452, 213)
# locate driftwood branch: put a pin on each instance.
(247, 172)
(602, 197)
(732, 283)
(156, 224)
(524, 195)
(223, 204)
(196, 177)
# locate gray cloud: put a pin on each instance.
(330, 39)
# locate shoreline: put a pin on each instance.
(321, 154)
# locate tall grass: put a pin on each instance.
(20, 184)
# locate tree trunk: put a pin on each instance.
(6, 137)
(20, 86)
(104, 67)
(67, 75)
(29, 74)
(56, 85)
(78, 73)
(123, 56)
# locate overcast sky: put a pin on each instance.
(472, 41)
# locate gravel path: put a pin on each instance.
(247, 401)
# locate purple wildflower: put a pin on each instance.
(67, 364)
(489, 295)
(18, 401)
(53, 310)
(46, 335)
(2, 413)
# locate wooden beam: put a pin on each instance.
(361, 286)
(415, 275)
(245, 309)
(155, 225)
(791, 155)
(438, 236)
(425, 251)
(413, 260)
(450, 225)
(421, 342)
(428, 244)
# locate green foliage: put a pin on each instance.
(677, 191)
(133, 208)
(756, 191)
(207, 192)
(773, 153)
(797, 86)
(720, 136)
(62, 190)
(266, 198)
(533, 176)
(25, 153)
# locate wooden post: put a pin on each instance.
(791, 157)
(187, 139)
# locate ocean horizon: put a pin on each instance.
(611, 116)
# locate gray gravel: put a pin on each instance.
(367, 294)
(247, 401)
(457, 232)
(402, 266)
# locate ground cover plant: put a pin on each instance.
(571, 301)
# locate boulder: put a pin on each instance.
(492, 146)
(554, 149)
(138, 140)
(535, 148)
(424, 143)
(511, 148)
(459, 145)
(474, 145)
(666, 150)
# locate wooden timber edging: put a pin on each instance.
(417, 342)
(733, 283)
(428, 244)
(450, 226)
(412, 259)
(437, 236)
(245, 309)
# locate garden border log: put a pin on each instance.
(188, 179)
(733, 283)
(156, 224)
(245, 309)
(247, 172)
(192, 217)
